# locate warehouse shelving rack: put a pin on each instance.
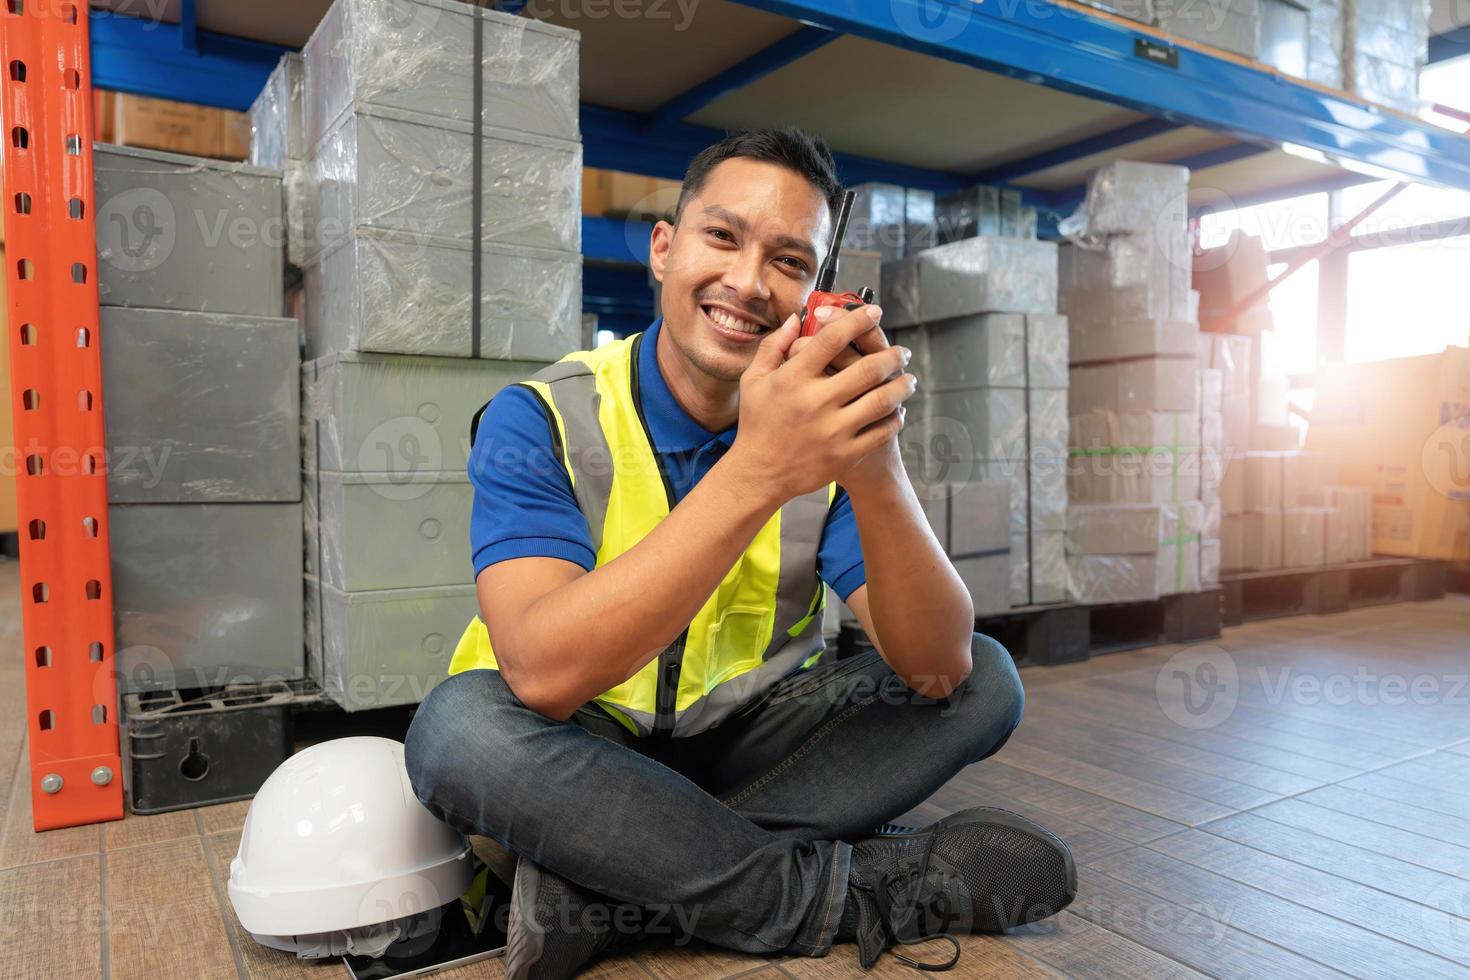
(1058, 45)
(56, 391)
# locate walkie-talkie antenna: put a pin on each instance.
(827, 274)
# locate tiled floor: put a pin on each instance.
(1319, 828)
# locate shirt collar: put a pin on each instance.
(671, 428)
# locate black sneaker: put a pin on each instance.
(556, 928)
(979, 870)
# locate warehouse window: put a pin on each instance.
(1407, 299)
(1447, 83)
(1294, 308)
(1411, 209)
(1279, 224)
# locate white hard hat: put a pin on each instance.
(337, 841)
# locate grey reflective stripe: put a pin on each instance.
(802, 521)
(577, 400)
(732, 695)
(642, 720)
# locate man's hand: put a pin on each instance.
(883, 463)
(808, 414)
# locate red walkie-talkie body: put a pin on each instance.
(822, 294)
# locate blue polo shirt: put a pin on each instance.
(524, 505)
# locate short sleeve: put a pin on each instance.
(840, 554)
(523, 502)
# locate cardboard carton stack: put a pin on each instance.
(1288, 511)
(1398, 427)
(980, 315)
(890, 220)
(981, 211)
(1146, 429)
(202, 415)
(1385, 44)
(441, 262)
(278, 142)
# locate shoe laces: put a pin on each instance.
(907, 880)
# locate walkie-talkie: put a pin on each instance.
(822, 294)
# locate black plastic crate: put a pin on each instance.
(185, 749)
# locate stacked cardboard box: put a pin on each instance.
(278, 141)
(891, 220)
(1385, 43)
(972, 523)
(1278, 513)
(981, 211)
(616, 194)
(203, 421)
(1146, 429)
(1398, 427)
(992, 354)
(1304, 39)
(125, 119)
(411, 195)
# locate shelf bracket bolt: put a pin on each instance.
(102, 775)
(51, 783)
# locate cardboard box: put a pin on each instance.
(1263, 480)
(1303, 537)
(1232, 542)
(1260, 548)
(179, 127)
(1399, 427)
(974, 275)
(1227, 276)
(1147, 384)
(1124, 339)
(1142, 457)
(611, 192)
(1232, 484)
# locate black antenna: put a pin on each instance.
(827, 274)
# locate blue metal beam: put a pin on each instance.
(147, 57)
(615, 240)
(616, 140)
(1450, 44)
(1072, 51)
(1101, 143)
(794, 46)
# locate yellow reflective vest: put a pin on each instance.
(761, 623)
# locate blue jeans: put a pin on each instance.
(740, 833)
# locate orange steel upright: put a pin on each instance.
(56, 391)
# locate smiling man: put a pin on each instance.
(642, 712)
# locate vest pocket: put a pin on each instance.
(736, 642)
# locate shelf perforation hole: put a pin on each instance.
(84, 337)
(28, 335)
(35, 465)
(73, 145)
(79, 272)
(43, 656)
(84, 400)
(40, 592)
(17, 70)
(68, 13)
(72, 79)
(75, 209)
(16, 7)
(30, 399)
(37, 529)
(47, 720)
(20, 137)
(89, 525)
(89, 463)
(26, 269)
(94, 651)
(99, 714)
(22, 202)
(94, 589)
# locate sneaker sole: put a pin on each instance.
(523, 945)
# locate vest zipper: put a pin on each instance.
(671, 660)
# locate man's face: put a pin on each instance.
(743, 258)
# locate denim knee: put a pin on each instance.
(445, 746)
(992, 700)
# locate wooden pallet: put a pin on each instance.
(1330, 588)
(1182, 618)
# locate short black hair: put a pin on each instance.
(788, 146)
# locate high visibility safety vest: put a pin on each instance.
(763, 620)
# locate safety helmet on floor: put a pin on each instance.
(339, 856)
